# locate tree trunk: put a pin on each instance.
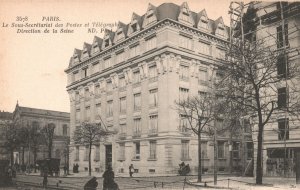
(12, 156)
(199, 158)
(50, 150)
(259, 171)
(34, 159)
(90, 164)
(23, 154)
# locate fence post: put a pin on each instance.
(184, 182)
(228, 183)
(162, 184)
(154, 184)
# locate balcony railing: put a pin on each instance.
(122, 136)
(136, 134)
(152, 79)
(153, 132)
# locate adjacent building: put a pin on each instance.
(30, 117)
(130, 79)
(278, 23)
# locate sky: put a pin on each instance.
(32, 65)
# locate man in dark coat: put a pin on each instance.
(91, 184)
(108, 180)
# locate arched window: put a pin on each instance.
(65, 130)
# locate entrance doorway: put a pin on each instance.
(108, 156)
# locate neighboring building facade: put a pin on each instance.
(28, 117)
(281, 134)
(130, 80)
(5, 119)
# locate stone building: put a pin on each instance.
(5, 119)
(278, 24)
(130, 79)
(28, 117)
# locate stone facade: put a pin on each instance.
(130, 80)
(275, 144)
(26, 116)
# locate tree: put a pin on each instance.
(200, 112)
(89, 134)
(254, 72)
(12, 139)
(30, 137)
(48, 134)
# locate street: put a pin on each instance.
(173, 182)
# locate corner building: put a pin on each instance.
(130, 80)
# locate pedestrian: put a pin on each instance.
(91, 184)
(45, 179)
(65, 170)
(131, 170)
(108, 180)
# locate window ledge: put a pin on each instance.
(134, 159)
(151, 159)
(121, 159)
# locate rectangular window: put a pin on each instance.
(123, 105)
(98, 111)
(282, 97)
(183, 124)
(204, 48)
(153, 72)
(84, 72)
(86, 153)
(87, 113)
(77, 96)
(77, 116)
(185, 150)
(123, 129)
(153, 98)
(122, 151)
(236, 150)
(65, 130)
(203, 76)
(221, 149)
(137, 127)
(185, 42)
(97, 90)
(77, 153)
(203, 150)
(249, 150)
(283, 129)
(152, 149)
(76, 76)
(220, 54)
(109, 86)
(282, 66)
(184, 72)
(97, 153)
(134, 51)
(137, 101)
(280, 35)
(122, 82)
(151, 43)
(153, 124)
(137, 150)
(109, 110)
(136, 77)
(120, 58)
(87, 94)
(183, 94)
(107, 63)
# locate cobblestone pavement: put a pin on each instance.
(162, 183)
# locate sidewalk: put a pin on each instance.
(246, 183)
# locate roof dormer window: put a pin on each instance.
(134, 27)
(150, 13)
(106, 43)
(185, 11)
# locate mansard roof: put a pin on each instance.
(163, 11)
